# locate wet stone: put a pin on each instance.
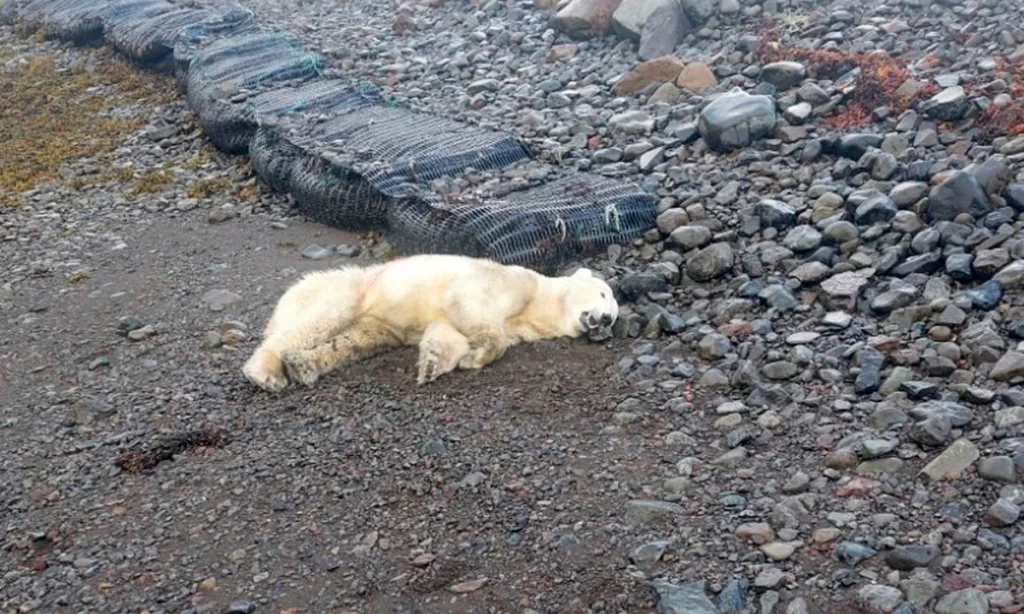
(997, 469)
(852, 553)
(683, 599)
(907, 558)
(952, 462)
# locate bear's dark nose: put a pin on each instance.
(606, 319)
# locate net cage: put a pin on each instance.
(544, 226)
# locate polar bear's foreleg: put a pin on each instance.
(363, 339)
(485, 346)
(479, 312)
(441, 349)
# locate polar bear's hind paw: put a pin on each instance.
(265, 371)
(299, 367)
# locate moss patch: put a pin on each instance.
(51, 116)
(207, 187)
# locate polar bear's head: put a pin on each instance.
(589, 300)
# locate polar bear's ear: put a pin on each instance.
(583, 272)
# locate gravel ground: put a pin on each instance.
(811, 403)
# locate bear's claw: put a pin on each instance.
(299, 368)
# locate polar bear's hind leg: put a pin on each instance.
(364, 338)
(310, 312)
(441, 350)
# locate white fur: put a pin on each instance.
(462, 313)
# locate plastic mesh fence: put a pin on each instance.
(544, 226)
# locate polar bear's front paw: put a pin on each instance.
(428, 367)
(474, 359)
(264, 370)
(299, 367)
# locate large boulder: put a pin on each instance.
(585, 18)
(958, 193)
(631, 15)
(661, 70)
(737, 119)
(711, 262)
(948, 105)
(664, 29)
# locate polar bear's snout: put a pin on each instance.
(592, 299)
(596, 318)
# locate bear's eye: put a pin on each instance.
(602, 295)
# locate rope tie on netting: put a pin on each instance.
(562, 228)
(299, 105)
(611, 211)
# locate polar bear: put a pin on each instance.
(462, 312)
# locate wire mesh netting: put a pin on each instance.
(545, 226)
(92, 23)
(233, 125)
(332, 194)
(120, 11)
(33, 14)
(80, 23)
(10, 11)
(272, 158)
(353, 166)
(395, 148)
(222, 78)
(192, 38)
(151, 39)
